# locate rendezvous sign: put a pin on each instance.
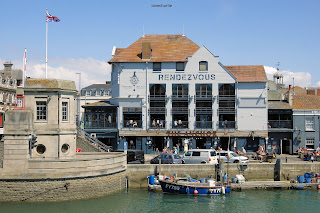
(186, 77)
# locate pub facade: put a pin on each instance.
(171, 92)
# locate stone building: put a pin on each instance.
(94, 93)
(170, 91)
(52, 103)
(9, 80)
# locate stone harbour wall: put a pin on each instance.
(61, 189)
(256, 171)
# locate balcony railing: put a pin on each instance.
(99, 125)
(203, 97)
(157, 97)
(180, 97)
(227, 110)
(227, 124)
(180, 110)
(180, 124)
(278, 124)
(203, 125)
(204, 110)
(157, 110)
(157, 124)
(132, 124)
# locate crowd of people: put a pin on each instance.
(306, 154)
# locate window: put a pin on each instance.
(88, 93)
(19, 101)
(41, 110)
(64, 111)
(309, 124)
(180, 66)
(310, 143)
(101, 92)
(196, 154)
(203, 66)
(156, 66)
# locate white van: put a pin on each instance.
(196, 156)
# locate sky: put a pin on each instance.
(240, 32)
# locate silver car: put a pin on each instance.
(195, 156)
(233, 157)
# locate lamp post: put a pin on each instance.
(78, 111)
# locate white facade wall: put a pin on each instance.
(252, 111)
(129, 93)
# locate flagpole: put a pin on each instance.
(46, 43)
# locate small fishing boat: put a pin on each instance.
(187, 187)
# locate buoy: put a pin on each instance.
(223, 190)
(195, 192)
(318, 186)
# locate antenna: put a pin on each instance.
(143, 31)
(183, 30)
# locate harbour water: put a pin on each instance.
(136, 200)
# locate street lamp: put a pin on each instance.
(78, 111)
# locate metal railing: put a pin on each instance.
(203, 125)
(278, 124)
(94, 141)
(227, 124)
(180, 124)
(99, 125)
(132, 124)
(157, 124)
(204, 110)
(157, 110)
(180, 110)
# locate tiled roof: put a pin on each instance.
(278, 105)
(306, 102)
(165, 48)
(297, 90)
(252, 73)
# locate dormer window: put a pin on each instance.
(156, 66)
(203, 66)
(180, 66)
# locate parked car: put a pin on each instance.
(133, 155)
(167, 158)
(233, 157)
(196, 156)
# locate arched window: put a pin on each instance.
(203, 90)
(226, 90)
(157, 90)
(203, 66)
(180, 90)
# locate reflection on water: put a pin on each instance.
(143, 201)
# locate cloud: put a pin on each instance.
(302, 79)
(92, 71)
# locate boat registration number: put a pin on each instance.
(169, 186)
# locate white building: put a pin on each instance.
(169, 89)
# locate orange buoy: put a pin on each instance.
(318, 186)
(195, 192)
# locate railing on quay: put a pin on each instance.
(93, 140)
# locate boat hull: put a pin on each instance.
(185, 188)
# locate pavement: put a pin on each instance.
(286, 158)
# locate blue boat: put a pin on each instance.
(196, 188)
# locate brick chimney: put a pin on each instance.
(146, 50)
(290, 96)
(7, 66)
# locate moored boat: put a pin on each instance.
(187, 187)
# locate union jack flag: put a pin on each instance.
(51, 18)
